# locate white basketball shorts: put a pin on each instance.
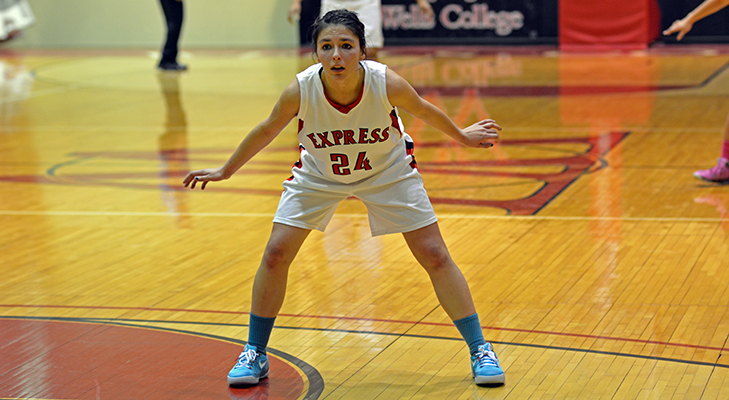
(396, 200)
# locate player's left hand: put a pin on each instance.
(483, 134)
(681, 26)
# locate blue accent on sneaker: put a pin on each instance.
(250, 367)
(485, 366)
(470, 329)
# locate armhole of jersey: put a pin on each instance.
(303, 103)
(385, 99)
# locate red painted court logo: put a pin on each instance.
(163, 170)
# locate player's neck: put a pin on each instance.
(344, 92)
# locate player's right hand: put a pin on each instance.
(426, 9)
(204, 176)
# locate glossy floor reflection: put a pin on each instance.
(596, 260)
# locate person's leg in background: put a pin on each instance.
(173, 11)
(720, 172)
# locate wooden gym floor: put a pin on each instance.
(598, 263)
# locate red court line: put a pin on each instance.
(493, 328)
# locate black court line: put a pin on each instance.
(713, 76)
(135, 323)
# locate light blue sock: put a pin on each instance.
(470, 329)
(259, 331)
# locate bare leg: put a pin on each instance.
(269, 287)
(726, 129)
(450, 286)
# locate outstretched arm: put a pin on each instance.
(684, 25)
(402, 95)
(283, 112)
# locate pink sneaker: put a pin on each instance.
(717, 174)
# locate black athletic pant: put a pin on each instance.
(173, 17)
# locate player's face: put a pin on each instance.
(339, 52)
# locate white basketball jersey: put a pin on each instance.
(350, 144)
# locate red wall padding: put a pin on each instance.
(614, 23)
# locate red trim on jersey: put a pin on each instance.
(395, 122)
(410, 150)
(298, 164)
(345, 109)
(301, 125)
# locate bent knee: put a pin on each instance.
(276, 257)
(434, 258)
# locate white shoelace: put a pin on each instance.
(487, 358)
(246, 358)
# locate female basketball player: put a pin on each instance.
(352, 144)
(720, 172)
